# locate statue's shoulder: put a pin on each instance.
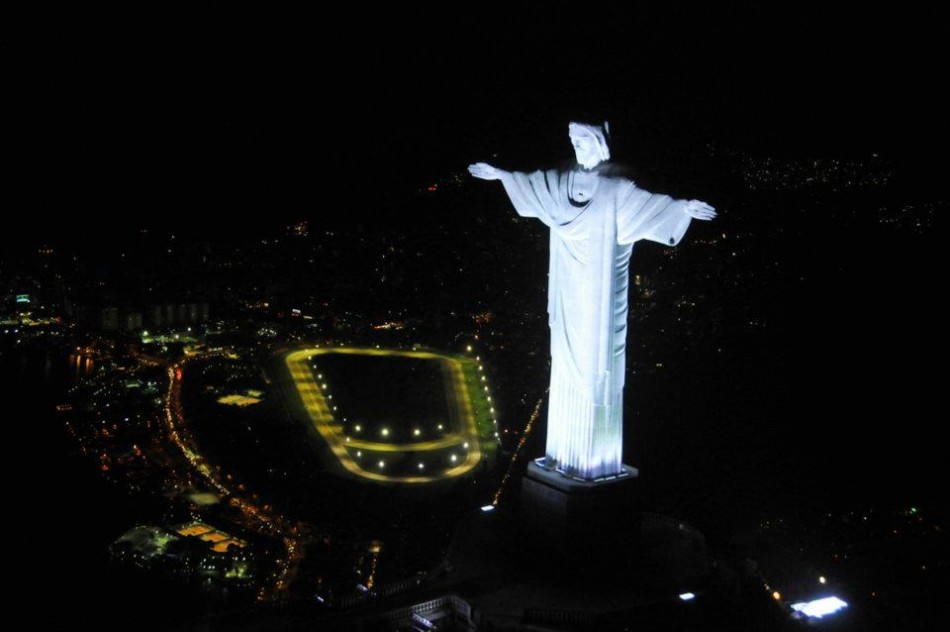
(619, 176)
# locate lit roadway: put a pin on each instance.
(265, 521)
(321, 416)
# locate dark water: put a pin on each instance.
(70, 508)
(67, 514)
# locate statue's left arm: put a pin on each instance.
(659, 218)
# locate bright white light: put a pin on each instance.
(421, 466)
(822, 580)
(820, 607)
(487, 508)
(382, 464)
(416, 432)
(357, 427)
(453, 458)
(687, 596)
(465, 445)
(384, 432)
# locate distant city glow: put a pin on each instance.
(820, 607)
(687, 596)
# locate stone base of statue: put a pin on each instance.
(573, 555)
(580, 515)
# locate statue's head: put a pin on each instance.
(590, 143)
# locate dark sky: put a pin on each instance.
(173, 115)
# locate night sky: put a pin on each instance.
(154, 115)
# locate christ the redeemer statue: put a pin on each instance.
(595, 218)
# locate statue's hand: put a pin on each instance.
(700, 210)
(484, 171)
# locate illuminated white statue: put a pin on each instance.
(595, 218)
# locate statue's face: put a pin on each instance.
(585, 148)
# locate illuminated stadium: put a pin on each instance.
(393, 416)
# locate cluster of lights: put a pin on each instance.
(491, 409)
(267, 522)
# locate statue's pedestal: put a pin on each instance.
(574, 555)
(580, 517)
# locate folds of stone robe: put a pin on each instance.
(590, 253)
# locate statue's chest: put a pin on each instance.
(582, 186)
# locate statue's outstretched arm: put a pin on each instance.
(485, 171)
(698, 209)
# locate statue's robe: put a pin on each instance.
(591, 244)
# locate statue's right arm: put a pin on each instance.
(485, 171)
(523, 197)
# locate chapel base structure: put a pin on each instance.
(581, 515)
